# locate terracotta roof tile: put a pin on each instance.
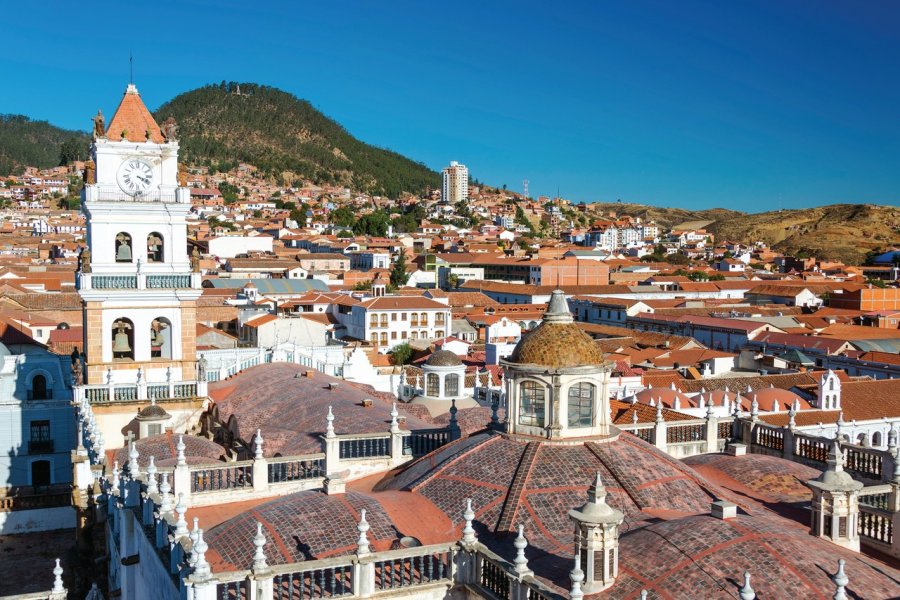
(133, 118)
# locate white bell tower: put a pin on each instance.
(137, 283)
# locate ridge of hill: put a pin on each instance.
(844, 232)
(285, 137)
(27, 143)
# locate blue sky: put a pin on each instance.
(752, 105)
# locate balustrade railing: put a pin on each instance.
(724, 429)
(875, 524)
(378, 446)
(813, 449)
(424, 441)
(768, 437)
(125, 393)
(645, 433)
(295, 469)
(157, 392)
(184, 390)
(863, 461)
(493, 578)
(214, 479)
(237, 589)
(417, 566)
(169, 281)
(114, 282)
(312, 583)
(676, 434)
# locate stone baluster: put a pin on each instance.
(260, 465)
(262, 575)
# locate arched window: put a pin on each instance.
(414, 335)
(876, 439)
(39, 388)
(423, 319)
(155, 247)
(581, 405)
(374, 339)
(433, 385)
(123, 339)
(384, 320)
(161, 338)
(831, 385)
(123, 247)
(451, 385)
(531, 404)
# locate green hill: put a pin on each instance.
(222, 125)
(27, 143)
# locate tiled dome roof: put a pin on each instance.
(557, 342)
(197, 450)
(153, 412)
(443, 358)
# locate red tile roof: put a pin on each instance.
(134, 120)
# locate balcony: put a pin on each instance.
(182, 390)
(40, 447)
(97, 193)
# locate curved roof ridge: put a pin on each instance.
(506, 521)
(594, 449)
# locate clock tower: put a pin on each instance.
(137, 282)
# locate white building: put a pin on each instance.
(456, 183)
(392, 320)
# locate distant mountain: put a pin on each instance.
(222, 125)
(838, 231)
(27, 143)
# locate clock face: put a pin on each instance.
(135, 176)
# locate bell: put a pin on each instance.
(158, 338)
(120, 342)
(123, 253)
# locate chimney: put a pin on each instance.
(724, 510)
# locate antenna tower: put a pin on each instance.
(525, 189)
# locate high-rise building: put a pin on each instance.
(456, 183)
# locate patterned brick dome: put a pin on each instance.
(557, 342)
(443, 358)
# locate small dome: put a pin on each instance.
(152, 413)
(443, 358)
(557, 342)
(667, 396)
(62, 326)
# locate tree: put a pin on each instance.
(342, 216)
(453, 281)
(71, 150)
(399, 276)
(678, 259)
(401, 354)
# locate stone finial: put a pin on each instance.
(133, 466)
(468, 531)
(577, 576)
(395, 425)
(179, 449)
(201, 567)
(258, 445)
(634, 417)
(116, 482)
(754, 407)
(840, 421)
(643, 594)
(181, 529)
(840, 580)
(659, 413)
(710, 413)
(701, 401)
(672, 387)
(152, 488)
(329, 429)
(165, 498)
(746, 591)
(453, 424)
(776, 406)
(362, 545)
(57, 579)
(791, 421)
(558, 309)
(676, 404)
(194, 536)
(259, 556)
(520, 543)
(892, 439)
(596, 510)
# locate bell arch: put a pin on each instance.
(155, 248)
(122, 334)
(124, 248)
(161, 338)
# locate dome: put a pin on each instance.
(767, 397)
(443, 358)
(667, 396)
(197, 450)
(153, 412)
(557, 342)
(63, 326)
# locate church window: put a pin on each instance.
(433, 384)
(39, 388)
(123, 247)
(531, 404)
(155, 247)
(161, 338)
(581, 405)
(123, 339)
(451, 385)
(876, 439)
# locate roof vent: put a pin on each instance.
(333, 386)
(368, 403)
(722, 509)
